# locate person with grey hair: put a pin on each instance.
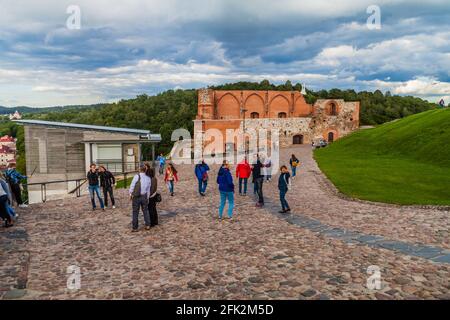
(139, 195)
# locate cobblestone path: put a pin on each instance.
(321, 251)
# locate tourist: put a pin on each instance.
(170, 178)
(5, 197)
(243, 171)
(162, 162)
(201, 172)
(94, 187)
(284, 184)
(154, 195)
(226, 189)
(268, 169)
(139, 195)
(258, 180)
(294, 164)
(107, 181)
(13, 177)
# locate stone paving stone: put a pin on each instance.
(193, 255)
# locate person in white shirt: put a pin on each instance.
(139, 194)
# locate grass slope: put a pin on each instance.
(404, 162)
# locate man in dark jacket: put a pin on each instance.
(107, 181)
(258, 180)
(226, 189)
(284, 185)
(94, 186)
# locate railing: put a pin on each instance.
(116, 166)
(78, 184)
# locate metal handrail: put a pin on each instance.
(78, 184)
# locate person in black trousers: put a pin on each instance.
(152, 199)
(107, 181)
(258, 180)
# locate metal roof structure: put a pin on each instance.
(147, 133)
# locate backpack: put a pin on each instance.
(137, 187)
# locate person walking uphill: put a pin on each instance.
(13, 177)
(243, 171)
(201, 172)
(171, 177)
(294, 162)
(284, 185)
(94, 187)
(139, 195)
(162, 162)
(226, 189)
(107, 181)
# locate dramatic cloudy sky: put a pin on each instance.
(125, 48)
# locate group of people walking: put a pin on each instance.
(10, 190)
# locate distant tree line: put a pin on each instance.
(172, 109)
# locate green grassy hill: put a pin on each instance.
(405, 162)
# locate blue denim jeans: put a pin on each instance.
(223, 198)
(140, 202)
(202, 184)
(294, 171)
(96, 190)
(170, 185)
(284, 204)
(244, 181)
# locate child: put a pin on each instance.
(284, 186)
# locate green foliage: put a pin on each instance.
(405, 161)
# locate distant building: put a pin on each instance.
(297, 121)
(7, 151)
(15, 116)
(58, 151)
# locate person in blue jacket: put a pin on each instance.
(284, 185)
(201, 172)
(226, 188)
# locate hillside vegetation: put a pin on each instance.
(405, 161)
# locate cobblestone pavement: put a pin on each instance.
(258, 255)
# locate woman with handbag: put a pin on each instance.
(154, 196)
(284, 185)
(294, 162)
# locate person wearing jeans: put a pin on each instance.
(294, 164)
(139, 195)
(201, 172)
(171, 177)
(243, 172)
(94, 186)
(5, 197)
(226, 188)
(283, 187)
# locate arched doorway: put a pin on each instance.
(282, 115)
(297, 139)
(333, 109)
(330, 136)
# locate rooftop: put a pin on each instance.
(154, 137)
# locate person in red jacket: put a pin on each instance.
(243, 171)
(171, 177)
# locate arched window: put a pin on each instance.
(297, 139)
(282, 115)
(254, 115)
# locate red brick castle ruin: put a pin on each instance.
(297, 121)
